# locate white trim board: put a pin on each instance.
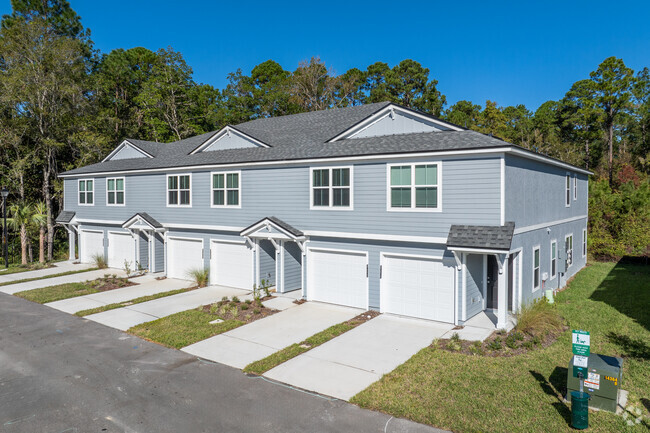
(373, 236)
(121, 146)
(548, 224)
(226, 131)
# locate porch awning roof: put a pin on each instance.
(65, 217)
(481, 237)
(272, 227)
(142, 220)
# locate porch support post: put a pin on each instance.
(71, 244)
(257, 263)
(464, 288)
(484, 278)
(502, 313)
(281, 266)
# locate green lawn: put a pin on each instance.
(16, 269)
(467, 393)
(26, 280)
(139, 300)
(56, 293)
(182, 329)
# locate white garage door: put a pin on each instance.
(416, 287)
(121, 248)
(91, 243)
(338, 278)
(182, 256)
(231, 265)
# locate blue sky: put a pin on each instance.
(510, 52)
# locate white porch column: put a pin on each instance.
(464, 288)
(502, 313)
(71, 244)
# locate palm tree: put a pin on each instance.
(39, 218)
(20, 217)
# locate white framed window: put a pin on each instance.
(568, 247)
(584, 242)
(536, 274)
(179, 190)
(115, 191)
(226, 189)
(86, 192)
(553, 258)
(575, 187)
(331, 188)
(568, 191)
(414, 187)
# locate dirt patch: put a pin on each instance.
(363, 317)
(499, 344)
(110, 282)
(234, 309)
(299, 301)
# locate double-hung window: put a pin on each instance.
(115, 191)
(568, 246)
(553, 259)
(331, 188)
(536, 275)
(86, 192)
(179, 190)
(584, 242)
(226, 189)
(575, 187)
(414, 186)
(568, 191)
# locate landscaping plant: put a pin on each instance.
(199, 275)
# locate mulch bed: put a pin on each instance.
(499, 344)
(110, 282)
(234, 309)
(363, 317)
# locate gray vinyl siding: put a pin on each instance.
(234, 141)
(374, 250)
(159, 247)
(400, 123)
(267, 261)
(292, 266)
(128, 152)
(474, 297)
(470, 195)
(535, 192)
(143, 256)
(527, 241)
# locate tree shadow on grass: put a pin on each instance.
(626, 289)
(630, 347)
(555, 386)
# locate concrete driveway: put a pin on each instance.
(58, 268)
(349, 363)
(146, 285)
(73, 278)
(259, 339)
(125, 318)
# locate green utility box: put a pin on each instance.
(602, 378)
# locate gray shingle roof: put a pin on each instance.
(65, 217)
(389, 144)
(148, 218)
(489, 237)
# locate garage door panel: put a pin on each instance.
(91, 244)
(121, 248)
(338, 278)
(231, 265)
(184, 255)
(418, 287)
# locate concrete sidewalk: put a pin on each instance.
(146, 285)
(73, 278)
(348, 364)
(58, 268)
(263, 337)
(127, 317)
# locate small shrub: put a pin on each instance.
(248, 301)
(528, 344)
(100, 261)
(537, 340)
(244, 307)
(127, 267)
(455, 337)
(224, 299)
(518, 336)
(495, 344)
(257, 311)
(199, 276)
(235, 299)
(476, 348)
(453, 345)
(511, 342)
(539, 318)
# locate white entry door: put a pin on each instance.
(417, 287)
(91, 243)
(121, 248)
(338, 277)
(231, 265)
(183, 254)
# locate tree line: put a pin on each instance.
(65, 104)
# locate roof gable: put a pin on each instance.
(127, 150)
(229, 138)
(272, 227)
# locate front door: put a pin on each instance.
(492, 282)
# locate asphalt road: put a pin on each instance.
(62, 373)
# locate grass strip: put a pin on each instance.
(524, 393)
(62, 274)
(139, 300)
(281, 356)
(182, 329)
(57, 293)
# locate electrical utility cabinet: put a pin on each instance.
(602, 380)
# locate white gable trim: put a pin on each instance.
(137, 222)
(225, 132)
(123, 144)
(387, 111)
(253, 231)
